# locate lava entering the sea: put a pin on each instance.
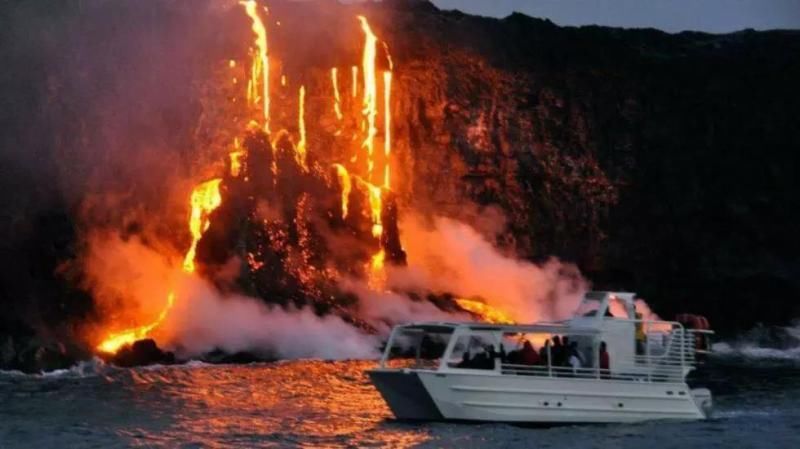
(282, 200)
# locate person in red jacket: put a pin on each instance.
(605, 362)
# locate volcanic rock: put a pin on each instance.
(141, 353)
(219, 356)
(7, 352)
(23, 349)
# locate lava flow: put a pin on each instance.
(280, 188)
(260, 67)
(205, 198)
(485, 311)
(113, 342)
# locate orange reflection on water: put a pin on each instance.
(297, 404)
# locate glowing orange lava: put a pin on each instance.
(260, 65)
(113, 342)
(370, 93)
(205, 198)
(377, 276)
(387, 120)
(337, 108)
(344, 181)
(354, 82)
(300, 150)
(374, 194)
(486, 312)
(236, 159)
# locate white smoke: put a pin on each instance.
(444, 255)
(131, 280)
(383, 309)
(204, 320)
(448, 256)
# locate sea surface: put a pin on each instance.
(319, 404)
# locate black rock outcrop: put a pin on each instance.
(141, 353)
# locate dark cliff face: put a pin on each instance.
(659, 163)
(663, 164)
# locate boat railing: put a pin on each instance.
(702, 339)
(668, 356)
(558, 371)
(662, 375)
(668, 362)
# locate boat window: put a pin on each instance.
(525, 348)
(418, 348)
(588, 307)
(617, 308)
(473, 352)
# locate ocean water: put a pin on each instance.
(318, 404)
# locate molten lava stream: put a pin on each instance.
(370, 110)
(260, 65)
(113, 342)
(387, 120)
(344, 181)
(206, 196)
(337, 108)
(486, 312)
(205, 199)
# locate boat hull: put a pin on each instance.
(405, 394)
(488, 396)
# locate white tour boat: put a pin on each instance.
(615, 368)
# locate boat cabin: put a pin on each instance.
(605, 339)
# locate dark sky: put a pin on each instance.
(715, 16)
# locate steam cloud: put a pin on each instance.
(445, 256)
(208, 321)
(130, 279)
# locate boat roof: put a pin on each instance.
(450, 326)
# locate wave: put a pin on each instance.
(85, 368)
(776, 343)
(189, 364)
(752, 351)
(96, 366)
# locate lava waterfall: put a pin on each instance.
(300, 211)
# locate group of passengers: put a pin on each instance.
(483, 359)
(564, 353)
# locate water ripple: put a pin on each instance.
(331, 405)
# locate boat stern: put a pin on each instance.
(702, 398)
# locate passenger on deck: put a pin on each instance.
(575, 359)
(492, 355)
(465, 361)
(641, 337)
(529, 356)
(557, 352)
(565, 352)
(604, 361)
(482, 360)
(543, 354)
(513, 357)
